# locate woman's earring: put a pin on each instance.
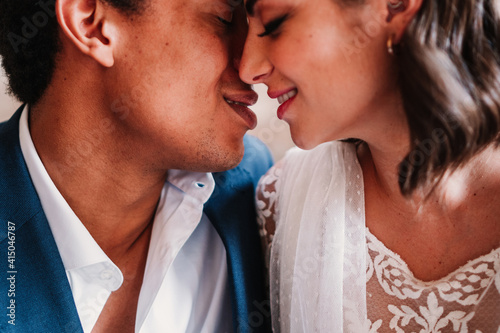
(390, 49)
(395, 7)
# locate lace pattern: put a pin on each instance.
(267, 208)
(467, 300)
(459, 302)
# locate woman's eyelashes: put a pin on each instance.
(273, 26)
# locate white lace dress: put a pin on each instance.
(328, 273)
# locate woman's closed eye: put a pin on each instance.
(271, 27)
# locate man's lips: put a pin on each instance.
(247, 98)
(240, 103)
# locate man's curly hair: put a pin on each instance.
(29, 43)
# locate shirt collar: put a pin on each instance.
(75, 244)
(197, 185)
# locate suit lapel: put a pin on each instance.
(43, 298)
(232, 212)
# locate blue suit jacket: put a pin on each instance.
(34, 288)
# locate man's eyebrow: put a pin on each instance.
(250, 6)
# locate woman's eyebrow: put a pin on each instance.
(250, 6)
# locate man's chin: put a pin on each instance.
(231, 162)
(216, 160)
(229, 166)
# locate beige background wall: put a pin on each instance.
(271, 130)
(7, 104)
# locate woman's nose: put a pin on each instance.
(254, 66)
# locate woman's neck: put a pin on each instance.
(381, 171)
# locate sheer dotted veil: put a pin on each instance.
(318, 257)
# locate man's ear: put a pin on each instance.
(85, 23)
(400, 14)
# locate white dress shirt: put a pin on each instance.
(185, 286)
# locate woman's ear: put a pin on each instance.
(86, 24)
(399, 15)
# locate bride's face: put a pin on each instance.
(327, 64)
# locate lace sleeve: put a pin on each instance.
(267, 208)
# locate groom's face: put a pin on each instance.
(181, 57)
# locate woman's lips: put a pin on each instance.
(285, 98)
(284, 107)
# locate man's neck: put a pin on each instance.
(103, 182)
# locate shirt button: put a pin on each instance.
(106, 274)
